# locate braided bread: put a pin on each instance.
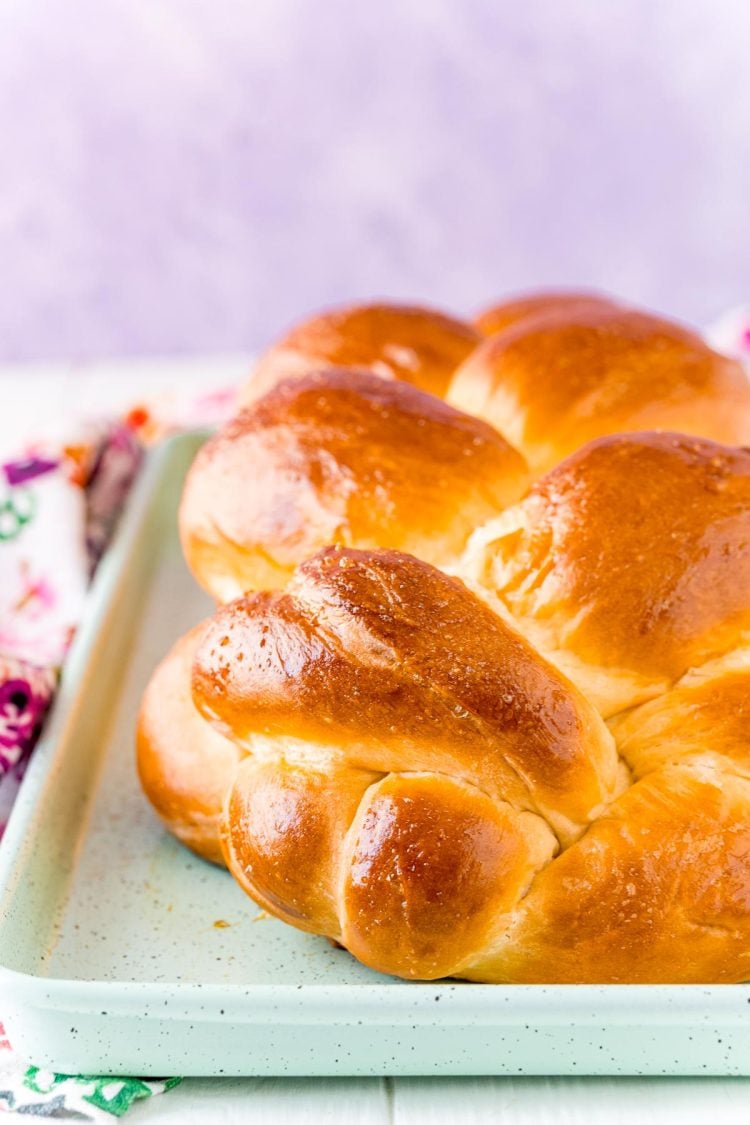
(627, 564)
(532, 769)
(388, 720)
(551, 383)
(420, 346)
(331, 457)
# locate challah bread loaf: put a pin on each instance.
(540, 776)
(418, 345)
(627, 564)
(340, 456)
(184, 765)
(550, 384)
(400, 795)
(458, 809)
(344, 664)
(510, 312)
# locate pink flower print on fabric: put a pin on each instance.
(28, 468)
(43, 562)
(36, 615)
(25, 695)
(37, 594)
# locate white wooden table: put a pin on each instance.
(31, 401)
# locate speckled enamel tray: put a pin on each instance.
(122, 953)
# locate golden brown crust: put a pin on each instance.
(432, 863)
(340, 457)
(381, 756)
(657, 891)
(438, 867)
(417, 345)
(185, 767)
(510, 312)
(347, 659)
(627, 564)
(706, 717)
(551, 384)
(282, 836)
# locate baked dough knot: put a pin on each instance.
(391, 762)
(533, 763)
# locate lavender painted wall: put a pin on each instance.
(178, 175)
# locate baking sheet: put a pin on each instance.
(121, 952)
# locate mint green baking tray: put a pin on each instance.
(120, 952)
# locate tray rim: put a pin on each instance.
(399, 1002)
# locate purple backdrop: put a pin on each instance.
(179, 175)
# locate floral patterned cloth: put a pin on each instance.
(25, 695)
(58, 509)
(42, 1093)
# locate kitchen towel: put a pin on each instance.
(59, 504)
